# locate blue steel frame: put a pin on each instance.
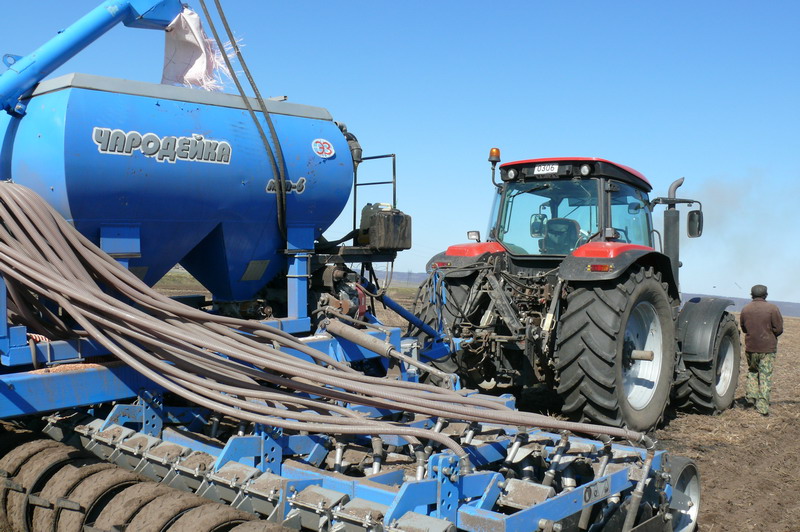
(466, 500)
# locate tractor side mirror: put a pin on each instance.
(537, 225)
(634, 207)
(694, 223)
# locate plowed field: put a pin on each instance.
(749, 464)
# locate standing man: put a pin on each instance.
(762, 323)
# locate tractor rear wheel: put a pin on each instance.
(604, 339)
(711, 385)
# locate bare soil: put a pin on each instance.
(749, 464)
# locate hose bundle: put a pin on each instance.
(231, 366)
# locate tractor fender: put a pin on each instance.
(619, 257)
(461, 255)
(697, 327)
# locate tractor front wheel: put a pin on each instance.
(711, 385)
(616, 351)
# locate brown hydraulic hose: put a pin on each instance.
(192, 395)
(371, 428)
(214, 390)
(275, 158)
(450, 412)
(49, 256)
(289, 360)
(445, 410)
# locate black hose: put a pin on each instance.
(276, 157)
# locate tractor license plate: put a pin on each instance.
(545, 169)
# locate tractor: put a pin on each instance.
(574, 289)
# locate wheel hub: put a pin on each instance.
(724, 366)
(640, 377)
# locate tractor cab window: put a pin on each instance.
(490, 230)
(630, 216)
(548, 217)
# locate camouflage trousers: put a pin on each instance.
(759, 379)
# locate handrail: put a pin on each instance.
(356, 184)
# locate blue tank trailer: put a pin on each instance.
(284, 406)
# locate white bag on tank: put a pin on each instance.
(191, 59)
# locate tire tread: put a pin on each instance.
(586, 342)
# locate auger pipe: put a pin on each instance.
(25, 72)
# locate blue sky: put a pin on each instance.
(702, 90)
